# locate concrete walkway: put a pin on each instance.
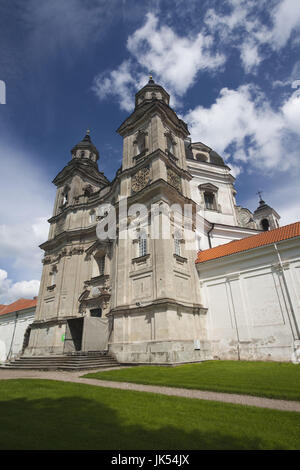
(283, 405)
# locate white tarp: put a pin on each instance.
(95, 334)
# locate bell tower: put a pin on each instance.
(156, 306)
(265, 217)
(67, 264)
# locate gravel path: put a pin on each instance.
(75, 377)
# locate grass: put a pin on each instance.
(265, 379)
(45, 414)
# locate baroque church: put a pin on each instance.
(164, 300)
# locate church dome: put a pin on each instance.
(215, 158)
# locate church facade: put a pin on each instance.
(119, 269)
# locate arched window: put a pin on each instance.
(53, 273)
(142, 244)
(265, 225)
(141, 142)
(65, 195)
(170, 146)
(92, 217)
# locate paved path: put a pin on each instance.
(75, 377)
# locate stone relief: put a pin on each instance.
(75, 250)
(140, 179)
(244, 217)
(173, 179)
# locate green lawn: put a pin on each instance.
(45, 414)
(265, 379)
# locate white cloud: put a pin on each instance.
(243, 119)
(10, 291)
(286, 18)
(250, 56)
(26, 199)
(243, 28)
(174, 61)
(120, 83)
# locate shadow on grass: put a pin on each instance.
(80, 423)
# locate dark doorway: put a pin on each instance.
(73, 338)
(26, 338)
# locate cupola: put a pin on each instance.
(150, 92)
(85, 149)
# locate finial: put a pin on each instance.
(88, 131)
(259, 193)
(150, 78)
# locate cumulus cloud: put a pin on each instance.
(174, 60)
(242, 124)
(243, 28)
(10, 291)
(26, 199)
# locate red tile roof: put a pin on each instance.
(21, 304)
(255, 241)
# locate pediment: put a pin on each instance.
(208, 187)
(147, 109)
(200, 146)
(86, 170)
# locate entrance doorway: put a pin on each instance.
(73, 337)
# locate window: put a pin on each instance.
(177, 243)
(92, 217)
(209, 200)
(53, 273)
(142, 244)
(65, 198)
(141, 142)
(65, 195)
(170, 147)
(96, 312)
(265, 224)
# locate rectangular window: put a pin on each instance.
(209, 201)
(142, 246)
(177, 246)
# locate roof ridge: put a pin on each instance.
(253, 241)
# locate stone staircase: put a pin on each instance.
(67, 362)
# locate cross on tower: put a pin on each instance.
(259, 193)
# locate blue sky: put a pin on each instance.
(69, 65)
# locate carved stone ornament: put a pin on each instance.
(244, 218)
(173, 179)
(140, 179)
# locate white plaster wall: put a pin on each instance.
(253, 304)
(12, 333)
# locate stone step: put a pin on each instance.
(33, 361)
(64, 362)
(60, 367)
